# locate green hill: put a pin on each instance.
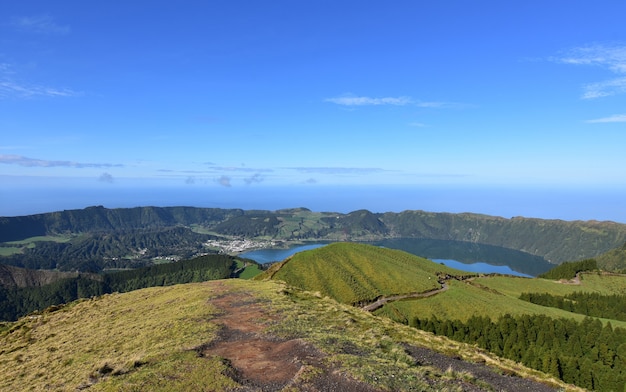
(97, 234)
(355, 273)
(494, 312)
(613, 260)
(239, 336)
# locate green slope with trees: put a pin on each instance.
(356, 273)
(554, 240)
(497, 313)
(18, 301)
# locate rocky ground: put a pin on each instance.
(261, 362)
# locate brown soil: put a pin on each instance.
(262, 362)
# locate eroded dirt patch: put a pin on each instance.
(263, 362)
(497, 381)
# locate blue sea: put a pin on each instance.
(565, 204)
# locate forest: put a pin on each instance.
(589, 304)
(98, 251)
(17, 302)
(585, 353)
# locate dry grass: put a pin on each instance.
(144, 340)
(93, 340)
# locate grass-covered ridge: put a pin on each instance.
(355, 273)
(150, 339)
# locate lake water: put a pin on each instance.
(263, 256)
(480, 268)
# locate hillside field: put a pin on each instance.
(195, 337)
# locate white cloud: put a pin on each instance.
(40, 24)
(350, 100)
(339, 170)
(611, 119)
(106, 177)
(368, 101)
(605, 89)
(612, 58)
(32, 162)
(10, 87)
(224, 181)
(255, 178)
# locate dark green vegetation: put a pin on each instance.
(98, 235)
(94, 252)
(469, 252)
(589, 304)
(486, 311)
(614, 259)
(569, 270)
(356, 273)
(585, 353)
(190, 338)
(18, 301)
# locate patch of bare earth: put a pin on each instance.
(262, 362)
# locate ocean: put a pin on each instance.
(565, 204)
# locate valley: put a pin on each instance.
(369, 281)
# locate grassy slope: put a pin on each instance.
(496, 296)
(352, 273)
(144, 333)
(613, 260)
(143, 340)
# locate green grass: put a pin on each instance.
(129, 333)
(30, 240)
(17, 246)
(352, 273)
(144, 340)
(9, 250)
(491, 297)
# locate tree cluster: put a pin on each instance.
(585, 353)
(570, 269)
(589, 304)
(17, 302)
(122, 249)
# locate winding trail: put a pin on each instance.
(384, 300)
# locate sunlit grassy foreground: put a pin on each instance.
(143, 337)
(144, 340)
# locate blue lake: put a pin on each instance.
(480, 267)
(263, 256)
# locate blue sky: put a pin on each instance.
(249, 96)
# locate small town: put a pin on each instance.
(240, 245)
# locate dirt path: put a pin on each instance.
(384, 300)
(262, 362)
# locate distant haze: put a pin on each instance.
(506, 202)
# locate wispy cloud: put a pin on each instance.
(39, 24)
(611, 119)
(605, 89)
(339, 170)
(224, 181)
(369, 101)
(256, 178)
(106, 177)
(11, 87)
(611, 57)
(351, 100)
(31, 162)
